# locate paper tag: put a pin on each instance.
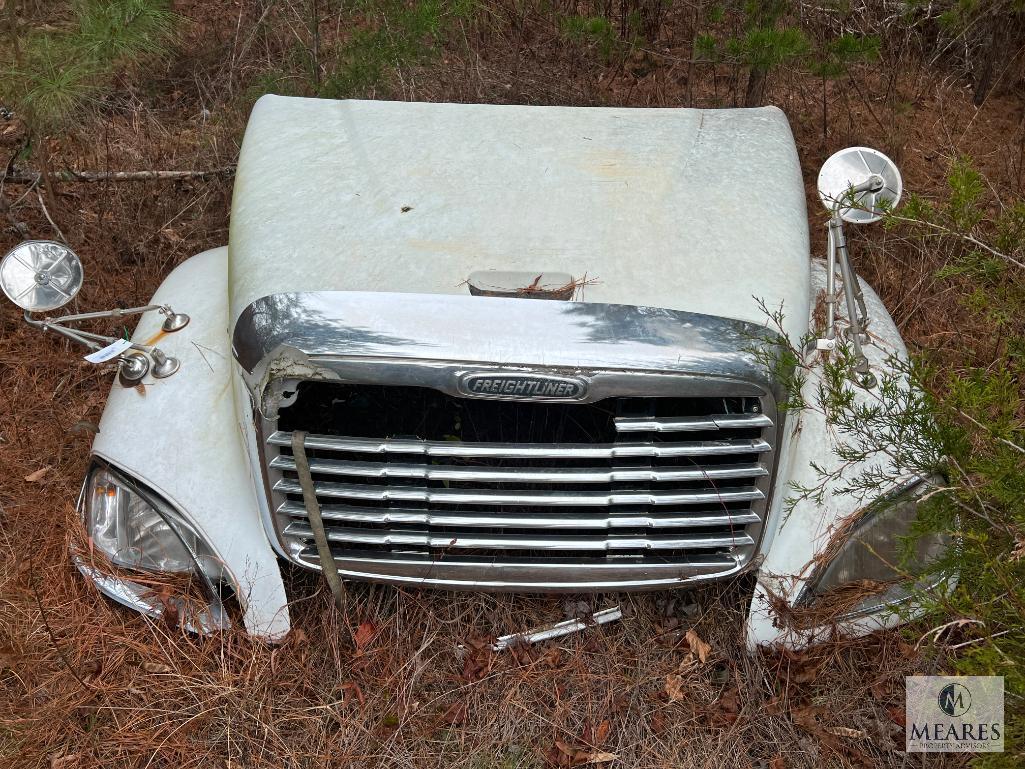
(109, 352)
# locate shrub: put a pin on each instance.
(596, 31)
(58, 72)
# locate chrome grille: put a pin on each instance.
(616, 493)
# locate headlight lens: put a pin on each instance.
(874, 555)
(132, 532)
(135, 529)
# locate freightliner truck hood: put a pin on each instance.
(699, 211)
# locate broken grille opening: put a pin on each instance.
(380, 411)
(418, 474)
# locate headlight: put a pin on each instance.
(137, 530)
(873, 557)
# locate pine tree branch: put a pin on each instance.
(964, 236)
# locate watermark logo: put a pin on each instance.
(955, 700)
(963, 714)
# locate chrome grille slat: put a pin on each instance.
(484, 474)
(519, 542)
(628, 492)
(523, 451)
(491, 519)
(690, 424)
(540, 498)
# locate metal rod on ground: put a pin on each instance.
(327, 560)
(557, 630)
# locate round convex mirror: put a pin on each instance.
(40, 275)
(854, 168)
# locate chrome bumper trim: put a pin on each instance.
(513, 576)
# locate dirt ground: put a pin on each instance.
(84, 683)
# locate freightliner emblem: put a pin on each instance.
(522, 387)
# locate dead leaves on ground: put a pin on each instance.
(365, 633)
(350, 692)
(674, 687)
(698, 653)
(478, 659)
(697, 645)
(37, 476)
(585, 749)
(567, 755)
(65, 761)
(455, 714)
(835, 739)
(798, 673)
(693, 686)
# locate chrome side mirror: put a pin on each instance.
(857, 185)
(860, 185)
(41, 275)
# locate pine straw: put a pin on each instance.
(104, 687)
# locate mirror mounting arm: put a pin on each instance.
(131, 364)
(117, 312)
(73, 334)
(88, 338)
(173, 321)
(854, 298)
(857, 312)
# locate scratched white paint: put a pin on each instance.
(698, 210)
(182, 438)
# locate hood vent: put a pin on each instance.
(522, 285)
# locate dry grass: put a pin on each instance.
(84, 683)
(389, 686)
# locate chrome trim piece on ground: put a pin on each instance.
(557, 630)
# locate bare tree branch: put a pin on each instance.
(17, 176)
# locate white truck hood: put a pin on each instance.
(694, 210)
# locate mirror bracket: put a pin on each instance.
(42, 275)
(856, 185)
